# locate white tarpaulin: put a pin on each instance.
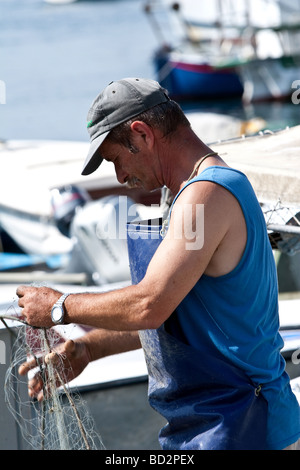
(270, 160)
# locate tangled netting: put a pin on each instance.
(61, 421)
(284, 225)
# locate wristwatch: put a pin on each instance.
(57, 312)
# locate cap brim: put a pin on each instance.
(94, 159)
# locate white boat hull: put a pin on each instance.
(269, 79)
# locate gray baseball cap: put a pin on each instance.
(119, 101)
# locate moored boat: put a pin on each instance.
(228, 49)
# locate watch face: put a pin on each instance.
(56, 314)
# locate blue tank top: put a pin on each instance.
(237, 314)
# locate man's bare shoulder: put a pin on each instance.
(208, 193)
(224, 227)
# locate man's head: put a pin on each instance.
(119, 102)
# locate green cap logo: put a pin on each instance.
(89, 124)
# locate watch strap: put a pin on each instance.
(59, 303)
(61, 300)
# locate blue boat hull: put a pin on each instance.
(186, 81)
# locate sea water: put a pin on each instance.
(55, 59)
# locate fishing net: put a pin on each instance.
(283, 223)
(61, 421)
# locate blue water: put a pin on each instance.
(56, 58)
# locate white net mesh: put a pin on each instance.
(283, 223)
(61, 421)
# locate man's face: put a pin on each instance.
(133, 169)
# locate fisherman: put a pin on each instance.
(206, 309)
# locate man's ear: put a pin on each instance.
(141, 130)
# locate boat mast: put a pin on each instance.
(219, 21)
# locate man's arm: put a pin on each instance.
(102, 343)
(171, 274)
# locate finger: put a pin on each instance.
(69, 346)
(40, 396)
(52, 358)
(20, 290)
(27, 366)
(55, 357)
(35, 386)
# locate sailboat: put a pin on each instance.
(270, 70)
(241, 48)
(187, 59)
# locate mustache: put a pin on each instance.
(133, 182)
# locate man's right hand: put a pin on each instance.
(69, 359)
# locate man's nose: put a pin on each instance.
(122, 176)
